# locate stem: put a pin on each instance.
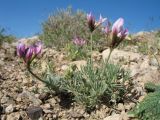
(91, 39)
(29, 69)
(111, 49)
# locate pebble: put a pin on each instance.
(34, 112)
(120, 107)
(9, 109)
(4, 99)
(14, 116)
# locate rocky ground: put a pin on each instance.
(22, 95)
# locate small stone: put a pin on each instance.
(9, 109)
(47, 111)
(46, 106)
(121, 107)
(64, 67)
(49, 116)
(14, 116)
(19, 99)
(141, 98)
(52, 101)
(31, 97)
(153, 62)
(3, 117)
(129, 106)
(44, 96)
(34, 112)
(54, 116)
(113, 117)
(4, 99)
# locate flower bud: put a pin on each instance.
(91, 22)
(118, 33)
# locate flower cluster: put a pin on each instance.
(79, 41)
(117, 33)
(28, 53)
(92, 24)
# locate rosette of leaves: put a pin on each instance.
(90, 84)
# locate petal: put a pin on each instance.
(38, 48)
(29, 54)
(101, 19)
(118, 25)
(21, 49)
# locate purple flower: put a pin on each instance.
(118, 29)
(79, 41)
(37, 48)
(100, 21)
(92, 24)
(117, 33)
(21, 49)
(28, 53)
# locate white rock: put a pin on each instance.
(79, 63)
(9, 109)
(64, 67)
(119, 55)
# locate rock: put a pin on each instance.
(46, 106)
(120, 107)
(121, 56)
(30, 96)
(96, 56)
(47, 111)
(77, 113)
(64, 67)
(44, 96)
(113, 117)
(153, 62)
(34, 112)
(14, 116)
(1, 63)
(52, 101)
(129, 106)
(3, 117)
(1, 94)
(79, 63)
(9, 109)
(122, 116)
(4, 99)
(55, 116)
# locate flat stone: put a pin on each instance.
(34, 112)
